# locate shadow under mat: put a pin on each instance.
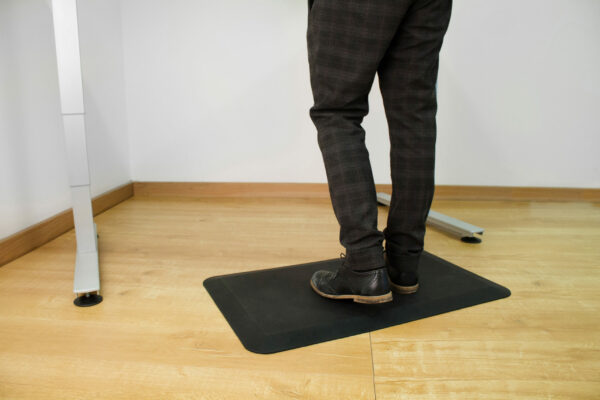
(273, 310)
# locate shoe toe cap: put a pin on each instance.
(321, 280)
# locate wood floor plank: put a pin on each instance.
(159, 335)
(540, 343)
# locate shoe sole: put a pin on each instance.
(404, 289)
(384, 298)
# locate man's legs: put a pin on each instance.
(407, 77)
(346, 41)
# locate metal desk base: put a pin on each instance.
(455, 227)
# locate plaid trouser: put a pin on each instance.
(349, 41)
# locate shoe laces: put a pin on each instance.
(343, 258)
(343, 266)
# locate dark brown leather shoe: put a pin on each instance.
(367, 287)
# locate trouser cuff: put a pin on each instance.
(363, 259)
(403, 262)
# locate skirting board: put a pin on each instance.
(41, 233)
(320, 190)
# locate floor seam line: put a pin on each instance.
(372, 366)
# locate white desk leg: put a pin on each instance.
(87, 274)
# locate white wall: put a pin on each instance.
(33, 173)
(520, 94)
(189, 90)
(219, 91)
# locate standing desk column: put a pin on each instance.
(86, 283)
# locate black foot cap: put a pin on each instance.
(87, 300)
(471, 239)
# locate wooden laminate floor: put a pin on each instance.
(158, 335)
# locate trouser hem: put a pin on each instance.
(363, 259)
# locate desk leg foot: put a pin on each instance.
(87, 299)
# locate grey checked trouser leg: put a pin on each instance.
(349, 41)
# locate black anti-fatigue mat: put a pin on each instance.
(276, 309)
